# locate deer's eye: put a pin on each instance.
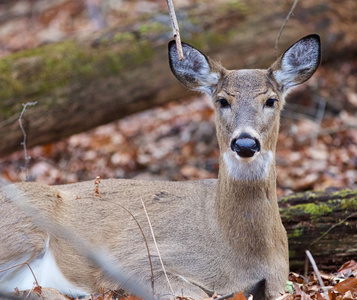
(271, 102)
(223, 103)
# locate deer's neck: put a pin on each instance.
(247, 209)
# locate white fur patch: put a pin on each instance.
(254, 169)
(47, 274)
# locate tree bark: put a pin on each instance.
(85, 82)
(324, 223)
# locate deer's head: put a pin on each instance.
(247, 103)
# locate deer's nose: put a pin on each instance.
(245, 145)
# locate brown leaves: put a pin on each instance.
(340, 286)
(313, 158)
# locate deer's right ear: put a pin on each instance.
(195, 71)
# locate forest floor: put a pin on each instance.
(317, 146)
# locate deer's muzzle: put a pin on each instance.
(245, 145)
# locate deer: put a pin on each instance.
(219, 236)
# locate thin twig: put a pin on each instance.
(317, 272)
(175, 28)
(157, 248)
(21, 264)
(23, 143)
(283, 26)
(145, 240)
(332, 227)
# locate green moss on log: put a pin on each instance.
(315, 204)
(349, 204)
(313, 210)
(306, 196)
(33, 73)
(313, 221)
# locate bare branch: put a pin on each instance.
(332, 227)
(314, 266)
(27, 158)
(175, 28)
(283, 26)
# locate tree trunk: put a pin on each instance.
(82, 83)
(325, 224)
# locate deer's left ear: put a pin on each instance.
(298, 63)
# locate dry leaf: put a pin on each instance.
(285, 297)
(320, 296)
(348, 296)
(346, 285)
(348, 267)
(37, 289)
(239, 296)
(297, 289)
(305, 296)
(332, 295)
(296, 277)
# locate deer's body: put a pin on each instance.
(219, 236)
(189, 237)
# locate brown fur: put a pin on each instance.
(221, 235)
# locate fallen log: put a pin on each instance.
(324, 223)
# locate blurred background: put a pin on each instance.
(108, 105)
